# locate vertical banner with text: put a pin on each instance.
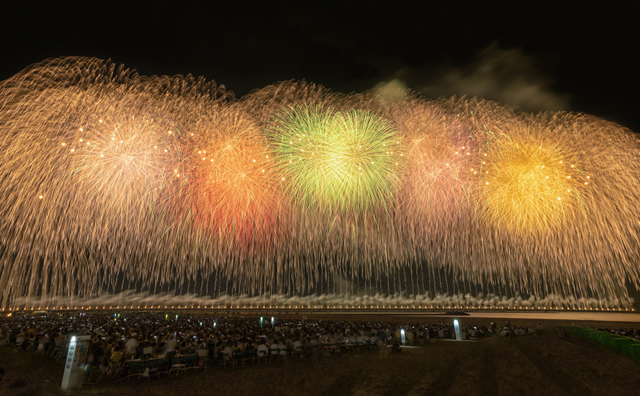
(76, 359)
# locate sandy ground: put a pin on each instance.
(530, 365)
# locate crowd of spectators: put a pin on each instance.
(625, 332)
(116, 338)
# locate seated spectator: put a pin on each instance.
(147, 351)
(132, 344)
(171, 344)
(97, 352)
(227, 353)
(116, 357)
(202, 353)
(42, 343)
(161, 350)
(249, 351)
(274, 348)
(262, 349)
(283, 348)
(21, 338)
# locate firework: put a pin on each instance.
(345, 160)
(434, 190)
(527, 181)
(225, 180)
(112, 181)
(539, 196)
(85, 150)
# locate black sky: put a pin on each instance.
(573, 58)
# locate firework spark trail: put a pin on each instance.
(82, 162)
(556, 198)
(226, 183)
(114, 181)
(433, 202)
(132, 300)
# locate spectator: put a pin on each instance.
(132, 344)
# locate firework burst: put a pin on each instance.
(225, 180)
(347, 161)
(529, 181)
(111, 181)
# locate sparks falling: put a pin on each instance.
(111, 180)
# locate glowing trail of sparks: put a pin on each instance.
(112, 181)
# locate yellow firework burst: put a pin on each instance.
(528, 181)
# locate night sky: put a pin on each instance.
(538, 57)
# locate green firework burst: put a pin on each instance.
(338, 160)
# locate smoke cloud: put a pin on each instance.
(508, 76)
(141, 300)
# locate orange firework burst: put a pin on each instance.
(227, 183)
